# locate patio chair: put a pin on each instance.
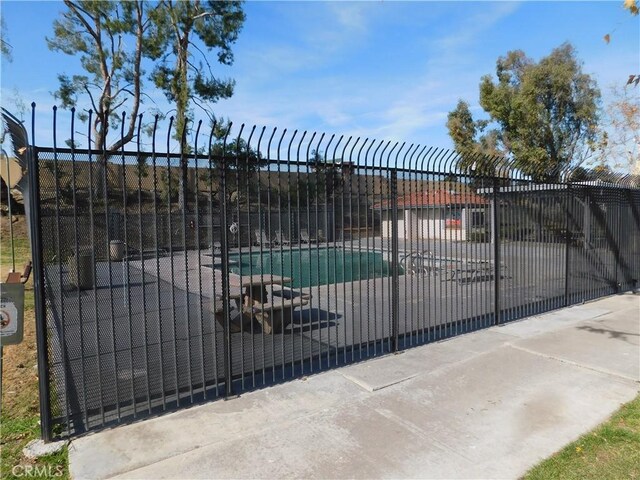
(420, 263)
(304, 237)
(281, 239)
(262, 240)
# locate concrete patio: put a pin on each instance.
(487, 404)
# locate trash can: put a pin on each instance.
(81, 269)
(116, 250)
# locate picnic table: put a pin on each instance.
(272, 311)
(255, 286)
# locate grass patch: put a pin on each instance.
(20, 420)
(611, 451)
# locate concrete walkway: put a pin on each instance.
(490, 404)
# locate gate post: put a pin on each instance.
(224, 244)
(395, 291)
(35, 236)
(496, 250)
(567, 245)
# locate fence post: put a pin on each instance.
(496, 249)
(617, 239)
(38, 290)
(567, 246)
(224, 244)
(395, 292)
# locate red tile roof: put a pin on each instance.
(437, 198)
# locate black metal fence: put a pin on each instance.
(165, 279)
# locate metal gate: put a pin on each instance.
(167, 279)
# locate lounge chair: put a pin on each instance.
(304, 237)
(261, 238)
(281, 239)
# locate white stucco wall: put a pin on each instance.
(421, 223)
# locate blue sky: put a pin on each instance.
(384, 70)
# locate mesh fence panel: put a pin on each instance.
(168, 283)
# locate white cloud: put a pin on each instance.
(476, 24)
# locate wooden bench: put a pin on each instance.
(289, 293)
(274, 316)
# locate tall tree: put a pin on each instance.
(97, 32)
(5, 46)
(184, 73)
(620, 131)
(542, 115)
(632, 6)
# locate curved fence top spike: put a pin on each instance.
(375, 152)
(273, 133)
(317, 151)
(391, 153)
(462, 162)
(313, 135)
(137, 132)
(326, 150)
(284, 132)
(404, 158)
(502, 166)
(437, 160)
(413, 155)
(476, 164)
(295, 132)
(335, 149)
(224, 141)
(567, 171)
(253, 129)
(419, 150)
(355, 144)
(364, 144)
(169, 134)
(153, 132)
(382, 152)
(480, 161)
(344, 149)
(444, 160)
(630, 180)
(195, 141)
(211, 132)
(418, 157)
(450, 162)
(366, 154)
(424, 157)
(457, 163)
(435, 154)
(90, 129)
(238, 143)
(304, 134)
(264, 128)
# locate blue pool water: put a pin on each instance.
(314, 266)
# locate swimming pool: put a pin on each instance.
(314, 266)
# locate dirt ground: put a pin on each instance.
(20, 227)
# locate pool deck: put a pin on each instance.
(156, 315)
